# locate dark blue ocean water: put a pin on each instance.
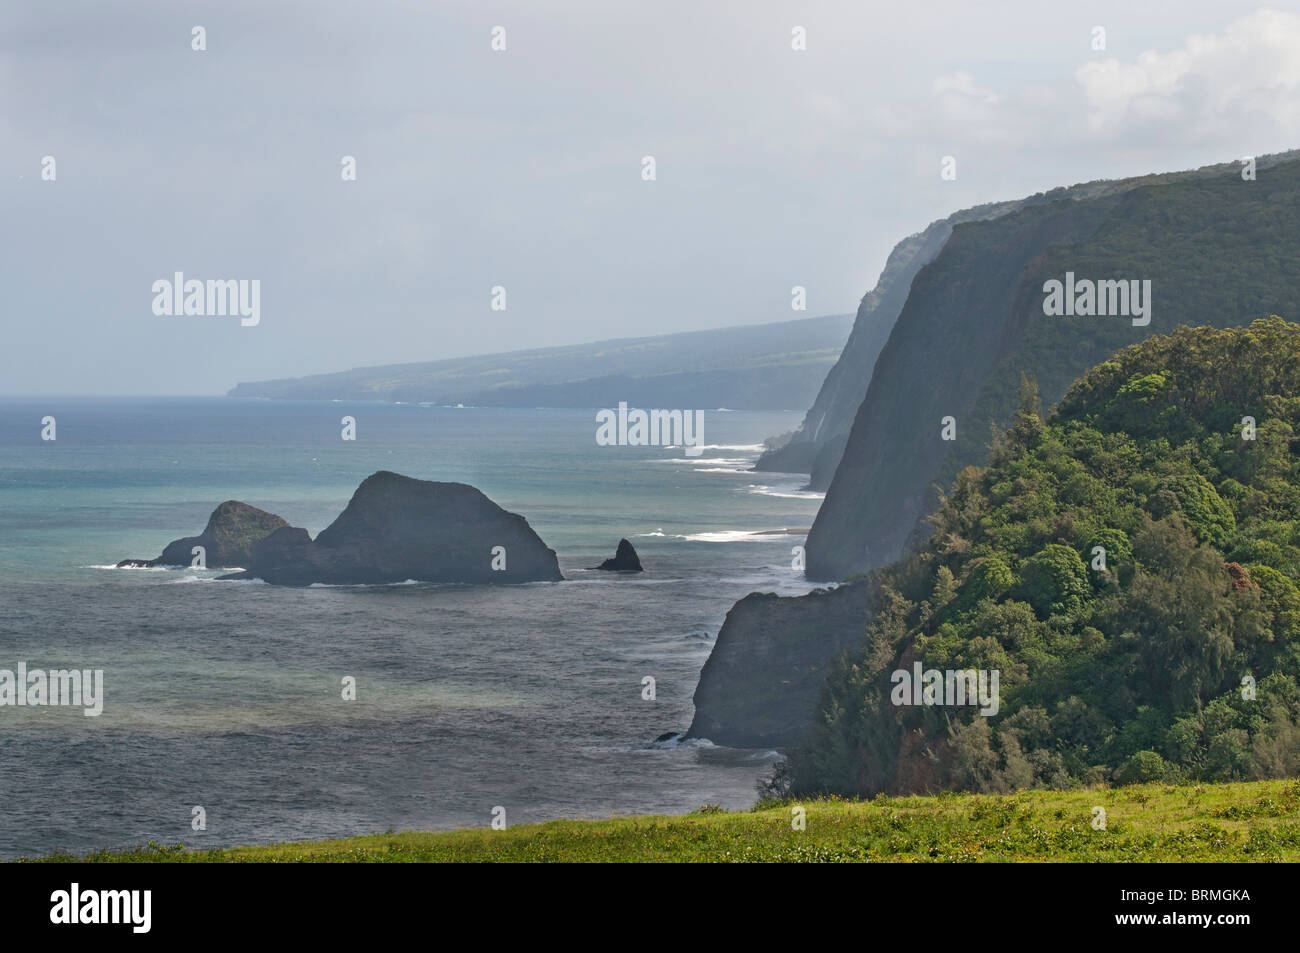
(227, 694)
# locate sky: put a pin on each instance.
(523, 168)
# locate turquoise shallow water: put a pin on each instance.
(227, 695)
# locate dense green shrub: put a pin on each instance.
(1180, 659)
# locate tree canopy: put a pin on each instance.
(1129, 567)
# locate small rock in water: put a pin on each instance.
(625, 559)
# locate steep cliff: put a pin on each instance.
(818, 445)
(1216, 249)
(760, 686)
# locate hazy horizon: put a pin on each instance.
(543, 348)
(522, 168)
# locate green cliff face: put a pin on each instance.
(818, 445)
(1129, 571)
(1217, 250)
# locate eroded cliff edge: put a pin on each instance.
(760, 685)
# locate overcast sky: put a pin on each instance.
(523, 168)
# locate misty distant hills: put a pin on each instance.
(777, 366)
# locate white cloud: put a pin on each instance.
(1213, 86)
(961, 85)
(959, 99)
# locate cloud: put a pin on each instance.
(1213, 86)
(961, 86)
(977, 113)
(521, 168)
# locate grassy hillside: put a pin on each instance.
(756, 367)
(1129, 568)
(1144, 823)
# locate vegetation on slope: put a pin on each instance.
(1145, 823)
(1216, 250)
(1138, 668)
(819, 443)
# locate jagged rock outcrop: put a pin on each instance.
(397, 528)
(1215, 248)
(233, 529)
(625, 559)
(760, 685)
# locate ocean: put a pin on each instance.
(226, 696)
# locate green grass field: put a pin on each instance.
(1249, 821)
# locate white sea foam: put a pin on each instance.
(192, 579)
(368, 585)
(786, 493)
(132, 568)
(675, 743)
(599, 577)
(731, 536)
(695, 461)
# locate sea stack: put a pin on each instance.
(233, 529)
(760, 685)
(397, 528)
(625, 559)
